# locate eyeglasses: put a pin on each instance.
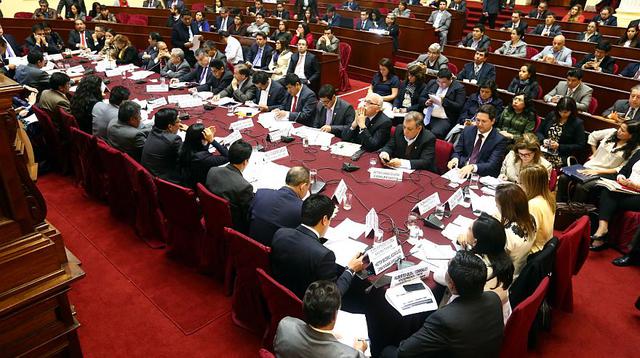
(525, 155)
(371, 103)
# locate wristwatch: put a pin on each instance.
(350, 271)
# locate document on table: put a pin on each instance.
(491, 181)
(315, 136)
(247, 111)
(483, 203)
(225, 101)
(18, 61)
(453, 176)
(344, 249)
(351, 326)
(141, 102)
(346, 229)
(179, 98)
(157, 88)
(427, 250)
(263, 174)
(140, 75)
(391, 114)
(453, 231)
(345, 149)
(407, 303)
(268, 121)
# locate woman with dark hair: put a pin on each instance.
(280, 59)
(125, 52)
(376, 19)
(534, 180)
(109, 48)
(525, 82)
(392, 29)
(76, 12)
(308, 16)
(410, 95)
(238, 28)
(525, 152)
(487, 94)
(591, 35)
(518, 118)
(88, 93)
(201, 22)
(515, 47)
(95, 9)
(195, 160)
(385, 82)
(611, 149)
(281, 32)
(303, 32)
(562, 132)
(519, 224)
(629, 38)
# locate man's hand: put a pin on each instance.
(554, 99)
(507, 134)
(360, 344)
(263, 108)
(215, 97)
(11, 66)
(326, 128)
(356, 263)
(553, 145)
(393, 163)
(279, 114)
(384, 156)
(174, 80)
(453, 163)
(466, 170)
(188, 45)
(183, 127)
(234, 84)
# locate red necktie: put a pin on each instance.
(476, 150)
(294, 103)
(83, 41)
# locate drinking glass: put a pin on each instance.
(163, 81)
(346, 203)
(413, 221)
(312, 176)
(373, 161)
(305, 142)
(473, 181)
(377, 237)
(440, 211)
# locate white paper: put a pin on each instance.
(75, 70)
(241, 124)
(55, 57)
(351, 326)
(491, 181)
(384, 255)
(231, 138)
(276, 154)
(407, 303)
(453, 231)
(141, 102)
(346, 229)
(315, 136)
(435, 99)
(456, 199)
(18, 61)
(224, 101)
(463, 221)
(157, 88)
(345, 249)
(73, 88)
(453, 175)
(483, 203)
(371, 222)
(140, 75)
(247, 111)
(400, 277)
(340, 192)
(153, 104)
(345, 149)
(385, 174)
(427, 203)
(30, 119)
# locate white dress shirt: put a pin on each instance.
(233, 50)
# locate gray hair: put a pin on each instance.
(415, 116)
(434, 48)
(297, 175)
(177, 52)
(202, 52)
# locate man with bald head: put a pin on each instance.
(275, 209)
(371, 128)
(560, 53)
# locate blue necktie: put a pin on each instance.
(257, 62)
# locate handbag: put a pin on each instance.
(567, 213)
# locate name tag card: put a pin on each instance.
(231, 138)
(385, 174)
(241, 124)
(456, 199)
(411, 273)
(276, 154)
(427, 203)
(157, 88)
(371, 222)
(384, 255)
(340, 192)
(277, 135)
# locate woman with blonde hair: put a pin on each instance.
(526, 151)
(574, 14)
(125, 52)
(534, 180)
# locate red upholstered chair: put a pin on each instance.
(150, 224)
(538, 122)
(185, 231)
(453, 68)
(136, 19)
(540, 92)
(66, 122)
(23, 15)
(247, 255)
(384, 11)
(217, 215)
(573, 61)
(623, 227)
(263, 353)
(516, 332)
(56, 153)
(553, 179)
(616, 68)
(531, 51)
(444, 150)
(593, 105)
(281, 302)
(199, 6)
(80, 144)
(345, 57)
(573, 249)
(122, 17)
(121, 202)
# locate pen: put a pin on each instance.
(363, 339)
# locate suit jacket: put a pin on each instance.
(180, 35)
(298, 259)
(219, 56)
(228, 182)
(152, 4)
(17, 49)
(51, 100)
(458, 7)
(67, 5)
(621, 106)
(610, 21)
(267, 51)
(219, 22)
(364, 26)
(374, 136)
(595, 38)
(195, 75)
(440, 63)
(311, 66)
(179, 4)
(522, 25)
(555, 30)
(343, 116)
(218, 85)
(305, 111)
(353, 6)
(74, 40)
(275, 97)
(51, 48)
(445, 21)
(606, 64)
(491, 6)
(630, 70)
(335, 21)
(571, 141)
(274, 209)
(582, 94)
(245, 92)
(483, 44)
(299, 6)
(491, 154)
(126, 138)
(534, 14)
(33, 76)
(487, 72)
(453, 100)
(284, 14)
(466, 327)
(296, 339)
(172, 70)
(160, 154)
(417, 99)
(563, 57)
(423, 149)
(130, 55)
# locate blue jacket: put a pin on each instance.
(491, 154)
(272, 210)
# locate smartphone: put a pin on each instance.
(413, 287)
(385, 160)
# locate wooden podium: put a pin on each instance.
(36, 319)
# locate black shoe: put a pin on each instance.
(626, 260)
(603, 239)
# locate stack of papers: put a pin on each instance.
(350, 327)
(345, 249)
(155, 103)
(268, 121)
(75, 71)
(347, 229)
(453, 176)
(407, 303)
(345, 149)
(157, 88)
(139, 75)
(483, 203)
(264, 174)
(491, 181)
(315, 136)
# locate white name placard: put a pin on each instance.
(371, 222)
(456, 199)
(427, 203)
(276, 154)
(231, 138)
(384, 255)
(385, 174)
(241, 124)
(340, 192)
(400, 277)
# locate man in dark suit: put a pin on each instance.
(469, 326)
(480, 148)
(606, 18)
(457, 5)
(280, 12)
(182, 35)
(478, 70)
(350, 5)
(153, 4)
(39, 42)
(275, 209)
(178, 4)
(490, 9)
(202, 74)
(540, 12)
(298, 257)
(80, 37)
(151, 52)
(305, 65)
(124, 134)
(257, 8)
(331, 18)
(411, 146)
(549, 28)
(301, 5)
(177, 67)
(371, 128)
(222, 77)
(452, 97)
(241, 88)
(228, 182)
(259, 54)
(214, 53)
(333, 114)
(300, 105)
(13, 49)
(632, 70)
(97, 36)
(160, 151)
(32, 73)
(599, 61)
(516, 22)
(625, 108)
(223, 21)
(364, 23)
(476, 39)
(269, 94)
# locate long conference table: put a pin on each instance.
(392, 200)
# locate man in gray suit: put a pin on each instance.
(160, 151)
(561, 54)
(333, 114)
(152, 4)
(125, 134)
(31, 74)
(572, 87)
(241, 87)
(57, 96)
(299, 339)
(434, 60)
(228, 182)
(441, 20)
(103, 113)
(625, 109)
(177, 66)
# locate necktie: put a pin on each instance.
(10, 52)
(635, 77)
(545, 32)
(329, 117)
(223, 25)
(367, 122)
(408, 150)
(631, 113)
(203, 76)
(257, 62)
(476, 150)
(83, 40)
(569, 92)
(294, 103)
